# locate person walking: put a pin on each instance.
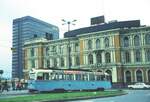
(5, 86)
(0, 86)
(13, 85)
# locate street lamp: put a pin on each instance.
(1, 72)
(68, 23)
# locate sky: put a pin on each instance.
(53, 11)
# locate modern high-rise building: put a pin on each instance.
(24, 29)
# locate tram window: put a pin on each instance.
(40, 76)
(91, 76)
(51, 77)
(32, 76)
(103, 77)
(46, 76)
(98, 77)
(78, 77)
(56, 76)
(61, 77)
(69, 77)
(85, 77)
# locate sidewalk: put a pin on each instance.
(13, 93)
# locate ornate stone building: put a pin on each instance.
(124, 53)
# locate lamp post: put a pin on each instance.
(68, 23)
(1, 72)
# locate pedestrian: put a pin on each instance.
(5, 86)
(18, 86)
(13, 85)
(0, 86)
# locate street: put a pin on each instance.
(132, 96)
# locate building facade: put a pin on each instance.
(24, 29)
(124, 53)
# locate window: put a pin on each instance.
(147, 54)
(70, 61)
(136, 40)
(90, 58)
(148, 75)
(76, 47)
(62, 62)
(107, 57)
(47, 50)
(54, 48)
(77, 60)
(137, 56)
(139, 76)
(147, 39)
(55, 62)
(89, 44)
(106, 42)
(97, 43)
(126, 41)
(127, 57)
(99, 58)
(33, 63)
(32, 52)
(128, 76)
(48, 63)
(61, 49)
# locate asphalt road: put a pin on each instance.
(132, 96)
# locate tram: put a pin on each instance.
(45, 80)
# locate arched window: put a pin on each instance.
(62, 62)
(148, 75)
(32, 52)
(89, 44)
(55, 62)
(147, 39)
(47, 50)
(48, 63)
(139, 76)
(126, 41)
(61, 49)
(106, 42)
(33, 63)
(136, 40)
(128, 76)
(137, 56)
(127, 57)
(147, 54)
(54, 49)
(76, 47)
(110, 74)
(77, 60)
(97, 43)
(99, 58)
(107, 57)
(90, 58)
(70, 61)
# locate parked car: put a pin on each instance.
(138, 85)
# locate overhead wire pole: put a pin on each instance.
(69, 48)
(68, 23)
